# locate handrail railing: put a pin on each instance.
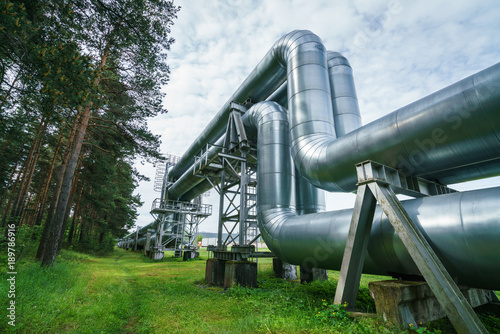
(182, 206)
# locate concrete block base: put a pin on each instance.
(405, 302)
(155, 255)
(284, 270)
(307, 274)
(243, 273)
(189, 255)
(214, 272)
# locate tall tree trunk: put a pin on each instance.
(55, 196)
(6, 191)
(29, 169)
(11, 199)
(45, 191)
(68, 208)
(75, 215)
(52, 245)
(29, 214)
(51, 248)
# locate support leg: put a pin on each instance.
(355, 250)
(451, 299)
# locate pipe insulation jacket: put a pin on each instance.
(462, 228)
(450, 136)
(345, 112)
(457, 126)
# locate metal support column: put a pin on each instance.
(159, 237)
(375, 184)
(147, 247)
(221, 208)
(136, 238)
(243, 201)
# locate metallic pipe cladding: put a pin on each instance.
(456, 128)
(267, 77)
(347, 118)
(346, 113)
(449, 136)
(294, 46)
(308, 198)
(189, 180)
(453, 129)
(273, 66)
(462, 228)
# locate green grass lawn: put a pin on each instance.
(129, 293)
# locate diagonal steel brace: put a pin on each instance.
(370, 192)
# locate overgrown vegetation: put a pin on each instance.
(129, 293)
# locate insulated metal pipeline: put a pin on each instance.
(424, 138)
(462, 228)
(188, 179)
(267, 77)
(455, 129)
(457, 126)
(345, 111)
(449, 136)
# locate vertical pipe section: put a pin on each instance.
(345, 106)
(308, 198)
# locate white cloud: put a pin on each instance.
(400, 51)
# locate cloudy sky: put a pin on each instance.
(399, 50)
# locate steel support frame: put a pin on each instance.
(237, 201)
(233, 177)
(373, 189)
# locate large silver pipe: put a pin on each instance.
(188, 180)
(345, 109)
(308, 198)
(345, 106)
(462, 228)
(456, 128)
(267, 77)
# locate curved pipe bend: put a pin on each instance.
(296, 49)
(462, 228)
(453, 129)
(265, 79)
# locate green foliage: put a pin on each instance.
(94, 246)
(425, 330)
(126, 292)
(60, 60)
(26, 242)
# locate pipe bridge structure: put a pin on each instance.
(292, 130)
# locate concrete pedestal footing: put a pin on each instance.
(284, 270)
(214, 272)
(307, 274)
(156, 255)
(188, 255)
(229, 273)
(243, 273)
(405, 302)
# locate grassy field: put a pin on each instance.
(128, 293)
